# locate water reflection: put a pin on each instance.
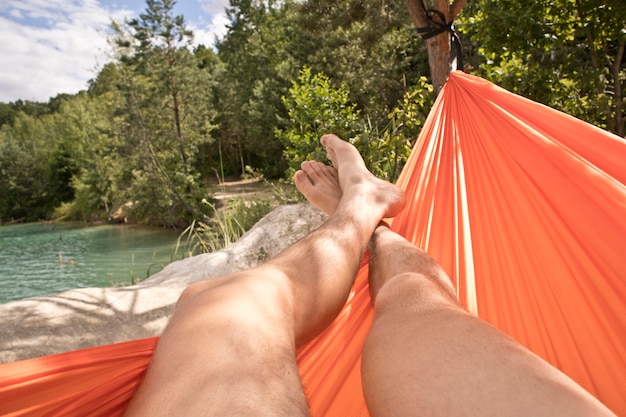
(40, 259)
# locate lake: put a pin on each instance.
(45, 258)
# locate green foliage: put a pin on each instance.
(567, 54)
(315, 107)
(371, 47)
(386, 150)
(258, 52)
(226, 226)
(87, 136)
(162, 119)
(33, 174)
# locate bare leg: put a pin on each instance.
(504, 378)
(425, 355)
(229, 348)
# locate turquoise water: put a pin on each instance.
(41, 259)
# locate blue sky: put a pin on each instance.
(55, 46)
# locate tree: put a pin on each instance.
(258, 55)
(568, 54)
(163, 39)
(438, 46)
(168, 117)
(371, 47)
(602, 23)
(29, 183)
(89, 140)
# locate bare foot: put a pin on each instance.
(357, 182)
(319, 183)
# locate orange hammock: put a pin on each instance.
(524, 207)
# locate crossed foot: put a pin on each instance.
(319, 183)
(324, 186)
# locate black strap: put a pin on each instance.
(441, 26)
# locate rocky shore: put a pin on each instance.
(88, 317)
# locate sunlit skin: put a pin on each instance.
(319, 183)
(229, 348)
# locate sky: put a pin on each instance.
(50, 47)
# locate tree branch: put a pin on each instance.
(417, 13)
(455, 8)
(615, 67)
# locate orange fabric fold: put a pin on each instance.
(523, 206)
(94, 382)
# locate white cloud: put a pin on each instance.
(206, 34)
(51, 46)
(216, 29)
(214, 6)
(16, 14)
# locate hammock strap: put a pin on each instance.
(439, 26)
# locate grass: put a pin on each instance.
(223, 229)
(227, 224)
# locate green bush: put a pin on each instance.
(315, 107)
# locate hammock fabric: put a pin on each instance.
(524, 207)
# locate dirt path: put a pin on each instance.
(244, 189)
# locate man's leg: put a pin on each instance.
(425, 355)
(229, 348)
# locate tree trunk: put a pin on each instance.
(615, 69)
(438, 46)
(179, 130)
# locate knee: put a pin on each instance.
(237, 282)
(199, 295)
(257, 292)
(399, 290)
(192, 290)
(412, 291)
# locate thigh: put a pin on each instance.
(228, 350)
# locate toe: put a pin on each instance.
(309, 169)
(327, 139)
(301, 179)
(323, 170)
(317, 168)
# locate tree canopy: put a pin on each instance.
(164, 118)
